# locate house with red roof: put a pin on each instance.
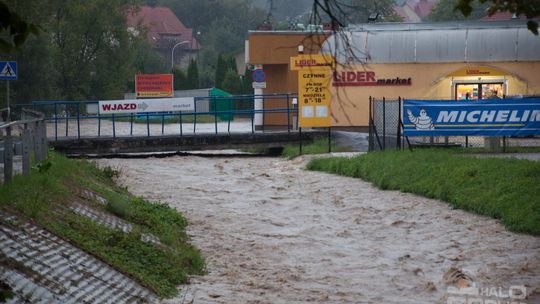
(414, 10)
(169, 36)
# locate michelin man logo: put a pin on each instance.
(422, 122)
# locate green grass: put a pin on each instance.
(505, 189)
(318, 146)
(43, 196)
(506, 150)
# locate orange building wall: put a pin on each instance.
(350, 104)
(273, 50)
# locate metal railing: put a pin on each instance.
(25, 137)
(217, 114)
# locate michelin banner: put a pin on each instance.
(493, 117)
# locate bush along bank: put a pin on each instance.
(505, 189)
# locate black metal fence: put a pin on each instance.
(386, 132)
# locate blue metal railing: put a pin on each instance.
(216, 109)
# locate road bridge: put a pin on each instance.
(233, 122)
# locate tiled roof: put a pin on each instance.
(423, 8)
(161, 22)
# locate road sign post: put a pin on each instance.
(8, 71)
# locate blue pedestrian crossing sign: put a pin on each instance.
(8, 70)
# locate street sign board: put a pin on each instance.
(314, 81)
(258, 85)
(312, 61)
(314, 97)
(126, 106)
(258, 76)
(8, 70)
(154, 85)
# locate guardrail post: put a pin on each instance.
(215, 114)
(288, 115)
(67, 119)
(398, 146)
(162, 123)
(55, 121)
(8, 156)
(230, 116)
(113, 127)
(384, 122)
(44, 144)
(38, 142)
(181, 127)
(26, 150)
(370, 127)
(79, 120)
(131, 124)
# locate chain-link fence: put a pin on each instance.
(384, 124)
(386, 132)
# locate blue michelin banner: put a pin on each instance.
(493, 117)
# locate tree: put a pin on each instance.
(221, 70)
(247, 87)
(336, 11)
(85, 35)
(180, 79)
(445, 10)
(82, 52)
(18, 29)
(345, 12)
(193, 75)
(232, 83)
(527, 8)
(147, 61)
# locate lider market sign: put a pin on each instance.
(366, 78)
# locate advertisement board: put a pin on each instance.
(491, 117)
(154, 85)
(314, 80)
(126, 106)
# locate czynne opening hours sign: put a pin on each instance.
(314, 80)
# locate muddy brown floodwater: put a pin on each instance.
(273, 232)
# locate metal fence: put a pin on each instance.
(21, 142)
(386, 132)
(215, 114)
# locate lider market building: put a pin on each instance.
(454, 60)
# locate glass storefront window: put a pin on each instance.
(475, 91)
(492, 91)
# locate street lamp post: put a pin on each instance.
(172, 52)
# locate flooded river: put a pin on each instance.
(273, 232)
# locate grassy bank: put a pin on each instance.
(44, 197)
(318, 146)
(506, 189)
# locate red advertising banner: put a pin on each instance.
(154, 85)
